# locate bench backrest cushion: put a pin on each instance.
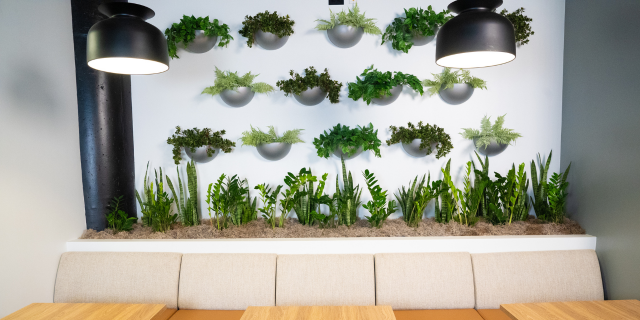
(118, 277)
(325, 280)
(413, 281)
(530, 277)
(220, 281)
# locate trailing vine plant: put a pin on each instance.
(195, 138)
(351, 18)
(491, 132)
(448, 78)
(429, 134)
(267, 22)
(311, 79)
(256, 137)
(521, 24)
(417, 22)
(185, 32)
(375, 84)
(348, 140)
(226, 80)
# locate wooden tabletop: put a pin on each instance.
(584, 310)
(319, 313)
(88, 311)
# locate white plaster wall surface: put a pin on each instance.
(529, 90)
(40, 177)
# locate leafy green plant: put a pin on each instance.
(446, 207)
(256, 137)
(417, 22)
(290, 196)
(307, 199)
(229, 201)
(185, 32)
(269, 200)
(348, 140)
(448, 78)
(348, 199)
(267, 22)
(311, 79)
(491, 132)
(429, 134)
(156, 206)
(490, 201)
(556, 191)
(227, 80)
(195, 138)
(467, 200)
(379, 208)
(326, 221)
(351, 18)
(521, 24)
(375, 84)
(548, 207)
(187, 205)
(118, 220)
(414, 200)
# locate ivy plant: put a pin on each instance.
(256, 137)
(117, 219)
(311, 79)
(226, 80)
(448, 78)
(521, 24)
(429, 134)
(195, 138)
(375, 84)
(348, 140)
(351, 18)
(491, 132)
(185, 32)
(417, 22)
(267, 22)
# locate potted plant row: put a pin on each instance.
(200, 145)
(491, 139)
(345, 29)
(196, 35)
(269, 30)
(347, 143)
(382, 88)
(454, 87)
(417, 28)
(311, 89)
(422, 140)
(236, 91)
(269, 145)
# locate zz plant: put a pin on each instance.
(375, 84)
(117, 219)
(311, 79)
(227, 80)
(256, 137)
(229, 201)
(379, 207)
(417, 22)
(195, 138)
(187, 205)
(307, 199)
(448, 78)
(185, 32)
(491, 132)
(348, 140)
(549, 197)
(429, 134)
(156, 205)
(521, 24)
(351, 18)
(267, 22)
(269, 198)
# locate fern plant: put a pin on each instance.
(268, 22)
(379, 207)
(351, 18)
(347, 199)
(117, 219)
(417, 22)
(195, 138)
(429, 134)
(521, 24)
(311, 79)
(541, 199)
(448, 78)
(156, 206)
(375, 84)
(227, 80)
(256, 137)
(307, 199)
(187, 205)
(185, 32)
(491, 132)
(414, 200)
(348, 140)
(269, 200)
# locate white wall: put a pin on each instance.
(40, 182)
(529, 90)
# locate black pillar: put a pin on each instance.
(106, 126)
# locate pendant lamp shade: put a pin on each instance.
(125, 43)
(477, 37)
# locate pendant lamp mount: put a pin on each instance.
(111, 9)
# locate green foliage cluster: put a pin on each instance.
(429, 134)
(195, 138)
(489, 132)
(156, 205)
(549, 197)
(348, 140)
(227, 80)
(376, 84)
(351, 18)
(307, 199)
(417, 22)
(347, 199)
(185, 32)
(257, 137)
(448, 78)
(269, 198)
(414, 199)
(187, 205)
(379, 207)
(118, 220)
(267, 22)
(460, 205)
(521, 24)
(311, 79)
(229, 201)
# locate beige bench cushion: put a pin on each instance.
(325, 280)
(118, 277)
(227, 281)
(413, 281)
(529, 277)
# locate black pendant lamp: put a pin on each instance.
(477, 37)
(125, 43)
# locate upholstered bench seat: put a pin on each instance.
(451, 314)
(493, 314)
(208, 315)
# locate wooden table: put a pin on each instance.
(88, 311)
(319, 313)
(584, 310)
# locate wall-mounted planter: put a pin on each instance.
(237, 98)
(460, 93)
(493, 149)
(270, 41)
(385, 100)
(274, 151)
(202, 43)
(413, 148)
(338, 153)
(419, 40)
(311, 97)
(343, 36)
(201, 155)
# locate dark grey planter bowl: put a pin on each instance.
(338, 153)
(274, 151)
(237, 98)
(311, 97)
(343, 36)
(201, 156)
(201, 43)
(385, 100)
(493, 149)
(270, 41)
(413, 148)
(460, 93)
(419, 40)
